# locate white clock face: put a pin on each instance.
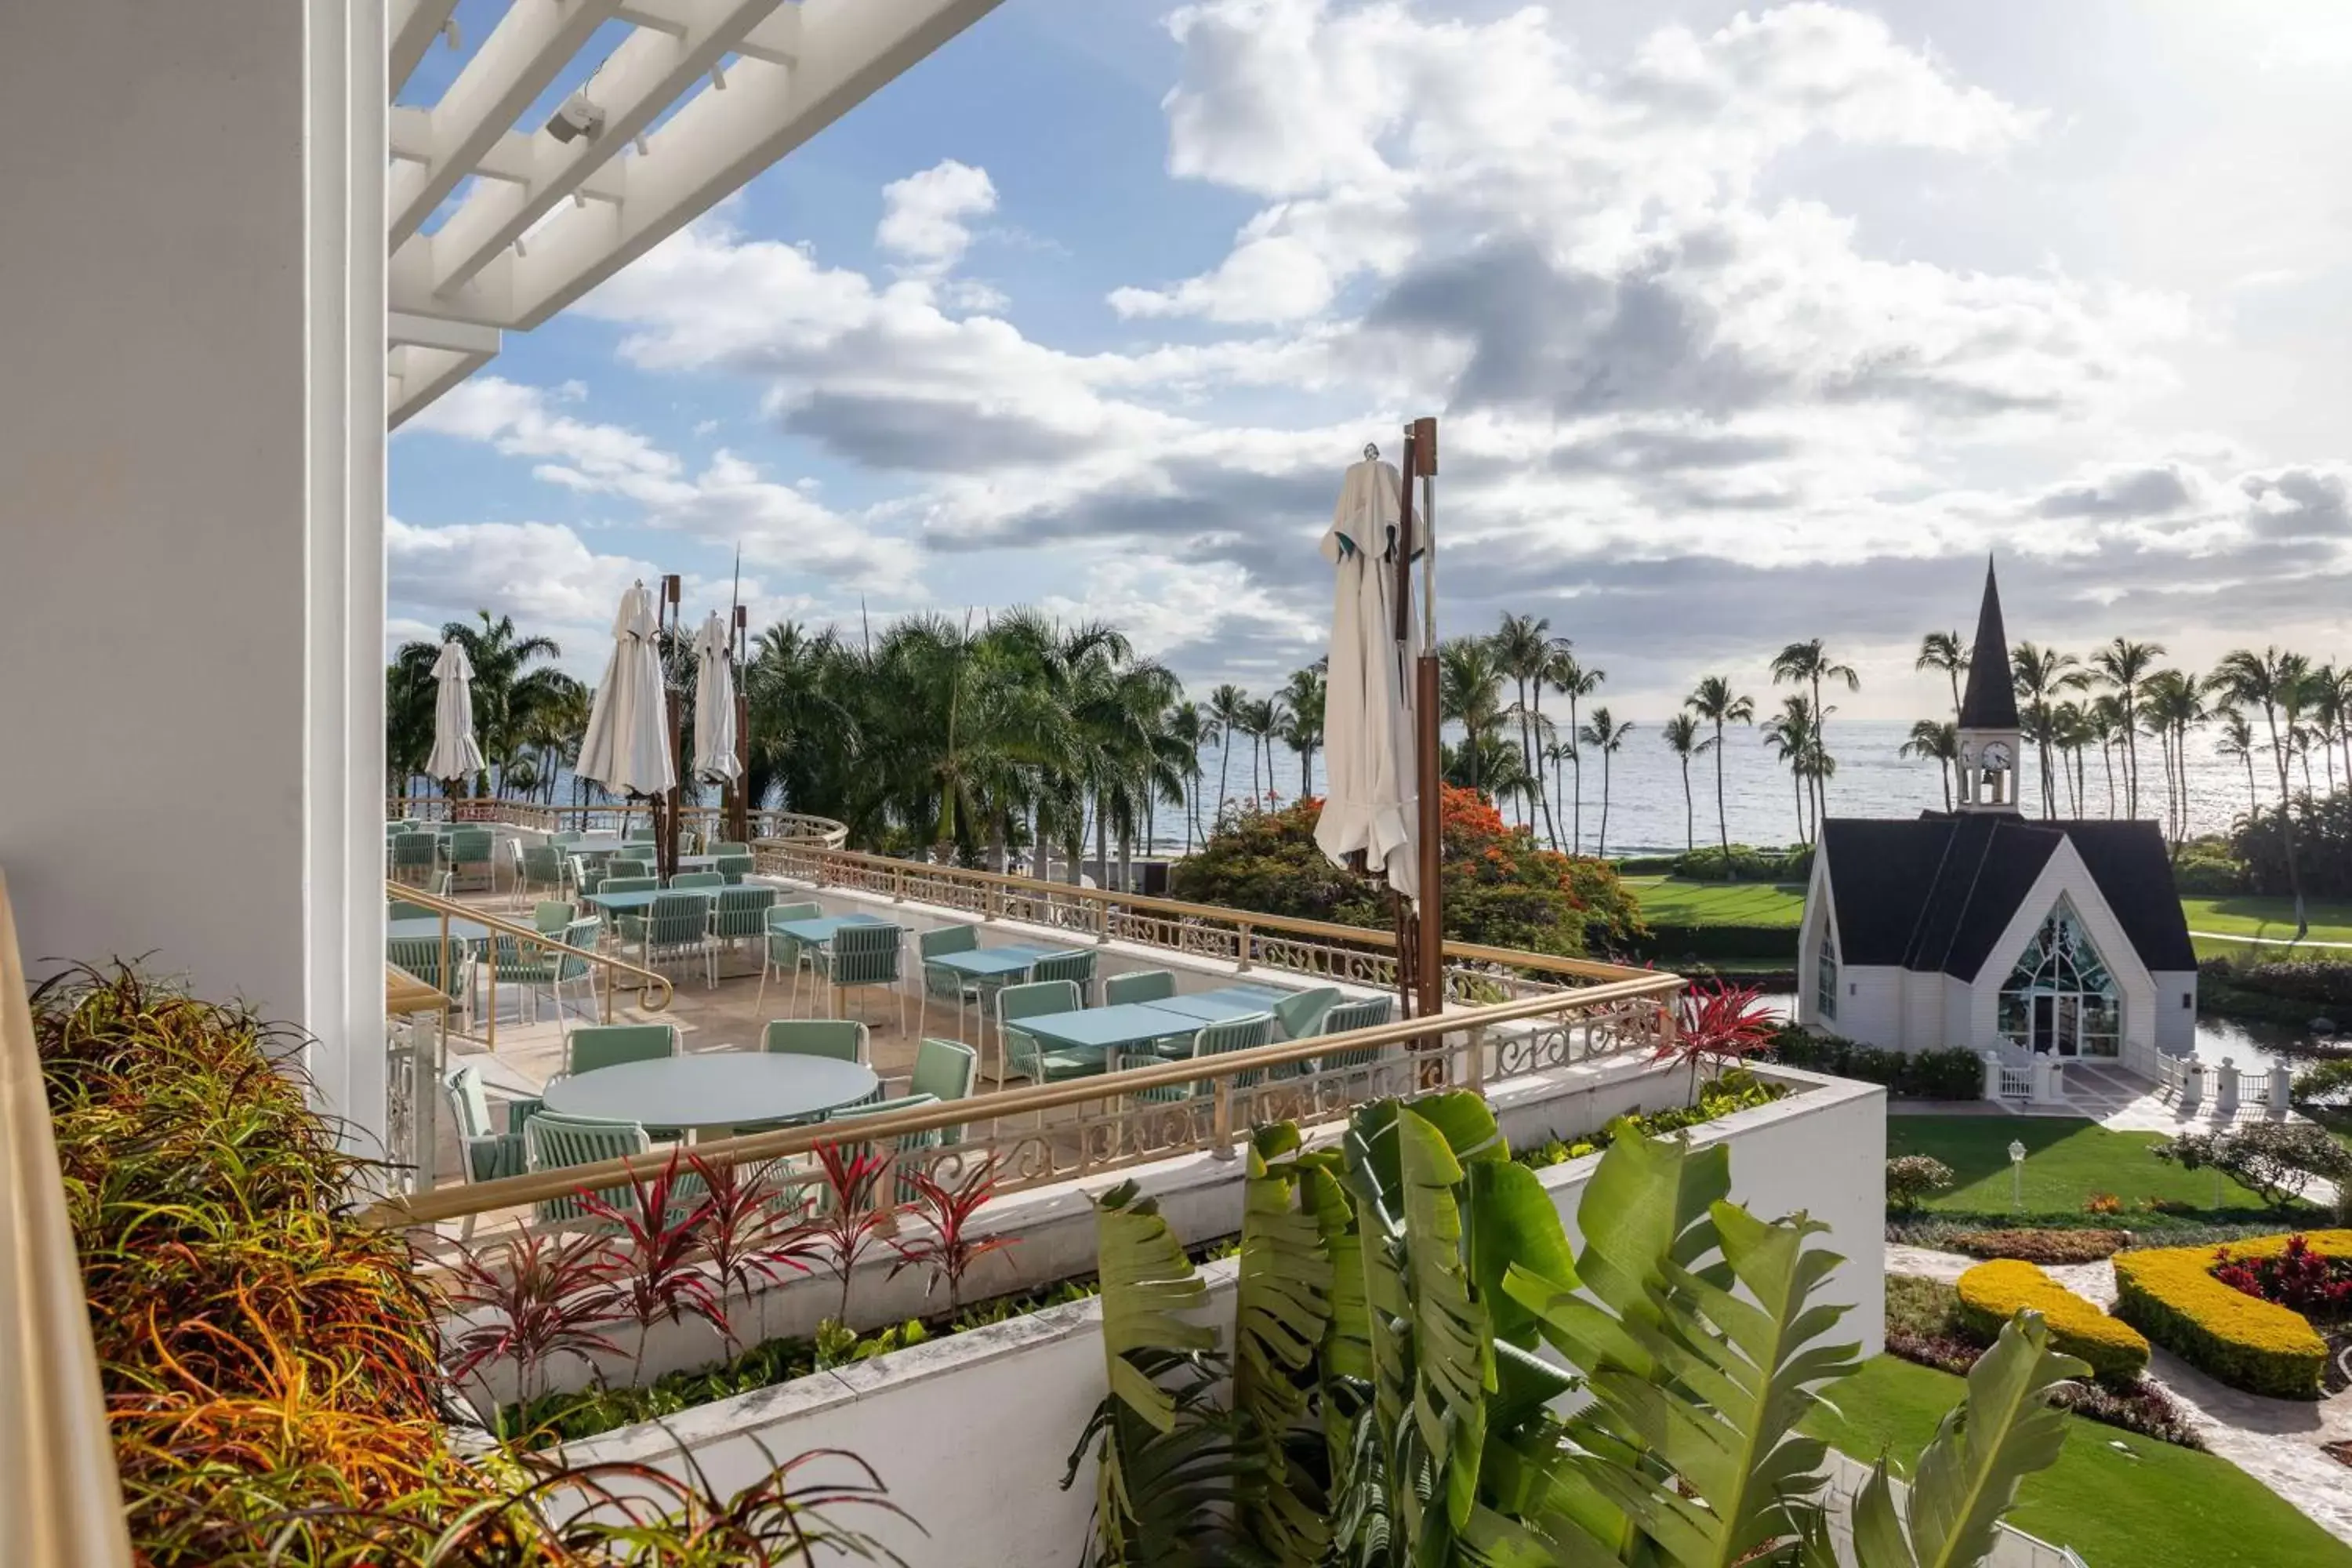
(1995, 758)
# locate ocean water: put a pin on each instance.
(1645, 811)
(1644, 800)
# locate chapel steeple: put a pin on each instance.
(1987, 716)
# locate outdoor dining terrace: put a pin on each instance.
(951, 1014)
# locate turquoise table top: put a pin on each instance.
(719, 1090)
(632, 903)
(430, 925)
(992, 962)
(817, 932)
(1230, 1001)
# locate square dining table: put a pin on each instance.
(1223, 1003)
(993, 964)
(1119, 1027)
(817, 932)
(638, 902)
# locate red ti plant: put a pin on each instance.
(849, 1223)
(740, 1226)
(1722, 1024)
(550, 1294)
(658, 1274)
(950, 1249)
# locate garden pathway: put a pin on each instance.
(2276, 1441)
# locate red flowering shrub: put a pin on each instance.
(1500, 888)
(2296, 1278)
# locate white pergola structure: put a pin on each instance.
(699, 95)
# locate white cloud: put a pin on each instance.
(925, 216)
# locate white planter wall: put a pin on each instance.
(971, 1433)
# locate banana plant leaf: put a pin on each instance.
(1282, 1318)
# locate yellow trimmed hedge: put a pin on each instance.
(2170, 1295)
(1991, 1294)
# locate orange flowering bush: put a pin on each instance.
(1501, 889)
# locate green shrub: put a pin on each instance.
(2041, 1246)
(2324, 1082)
(2278, 1160)
(2209, 874)
(1908, 1075)
(1991, 1293)
(1748, 864)
(1667, 940)
(2170, 1294)
(1912, 1179)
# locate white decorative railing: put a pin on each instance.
(613, 816)
(2178, 1079)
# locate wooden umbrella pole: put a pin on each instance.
(1422, 448)
(1407, 921)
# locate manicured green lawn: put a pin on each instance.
(1675, 901)
(2144, 1504)
(2247, 915)
(2066, 1160)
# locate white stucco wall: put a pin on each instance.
(2176, 1011)
(971, 1433)
(191, 500)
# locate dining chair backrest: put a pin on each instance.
(468, 1103)
(565, 837)
(730, 846)
(583, 934)
(865, 954)
(421, 956)
(441, 884)
(698, 880)
(1233, 1035)
(677, 918)
(1300, 1014)
(629, 885)
(907, 1156)
(628, 865)
(785, 912)
(587, 873)
(1140, 986)
(484, 1154)
(593, 1046)
(470, 845)
(1347, 1017)
(1078, 968)
(947, 1068)
(413, 851)
(543, 864)
(843, 1039)
(1036, 999)
(401, 909)
(734, 867)
(947, 939)
(641, 835)
(741, 911)
(552, 1142)
(550, 916)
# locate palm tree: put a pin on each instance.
(1191, 729)
(1523, 645)
(1575, 682)
(1790, 734)
(1946, 652)
(1939, 739)
(505, 687)
(1470, 693)
(1225, 707)
(2326, 693)
(1302, 700)
(1607, 738)
(1260, 719)
(2070, 732)
(2039, 675)
(2170, 702)
(410, 694)
(2105, 716)
(1682, 738)
(1808, 664)
(2238, 741)
(1713, 700)
(2125, 666)
(2275, 682)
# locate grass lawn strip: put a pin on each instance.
(2144, 1504)
(2066, 1160)
(1677, 900)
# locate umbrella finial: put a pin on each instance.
(1371, 452)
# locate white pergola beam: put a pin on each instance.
(720, 139)
(641, 78)
(529, 48)
(415, 24)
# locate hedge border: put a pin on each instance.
(2170, 1294)
(1991, 1293)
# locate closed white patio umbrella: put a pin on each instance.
(1367, 716)
(455, 754)
(626, 748)
(714, 703)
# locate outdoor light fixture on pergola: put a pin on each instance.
(699, 97)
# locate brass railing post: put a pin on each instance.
(490, 955)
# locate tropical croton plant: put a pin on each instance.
(1386, 1400)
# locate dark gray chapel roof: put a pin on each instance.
(1935, 893)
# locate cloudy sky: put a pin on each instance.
(1744, 326)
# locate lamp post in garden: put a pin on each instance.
(2016, 1176)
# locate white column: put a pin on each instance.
(192, 502)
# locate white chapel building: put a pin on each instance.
(1980, 928)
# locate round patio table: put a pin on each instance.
(713, 1090)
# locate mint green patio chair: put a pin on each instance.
(565, 838)
(1216, 1040)
(552, 1142)
(735, 867)
(593, 1046)
(468, 858)
(587, 873)
(421, 956)
(1020, 1050)
(685, 880)
(939, 980)
(527, 965)
(627, 865)
(1075, 967)
(551, 915)
(612, 884)
(842, 1039)
(860, 957)
(741, 915)
(676, 926)
(641, 834)
(485, 1153)
(907, 1155)
(1300, 1014)
(784, 951)
(401, 909)
(1141, 986)
(413, 857)
(730, 847)
(1348, 1016)
(945, 1070)
(538, 868)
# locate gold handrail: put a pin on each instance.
(1249, 921)
(645, 982)
(786, 826)
(1221, 1071)
(60, 1494)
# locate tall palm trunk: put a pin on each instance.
(1551, 827)
(1690, 812)
(1602, 847)
(1225, 766)
(1722, 822)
